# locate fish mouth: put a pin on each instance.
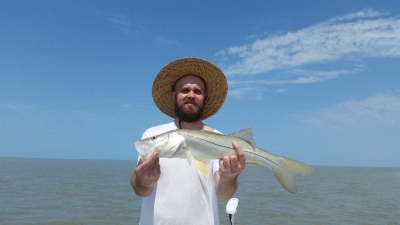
(145, 149)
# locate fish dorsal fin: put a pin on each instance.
(245, 134)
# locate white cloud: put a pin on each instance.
(280, 90)
(378, 109)
(120, 19)
(164, 41)
(10, 106)
(14, 106)
(366, 13)
(18, 108)
(251, 92)
(123, 23)
(363, 34)
(246, 92)
(296, 76)
(82, 112)
(87, 116)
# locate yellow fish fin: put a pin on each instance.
(201, 166)
(290, 168)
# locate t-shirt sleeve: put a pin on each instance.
(148, 133)
(215, 163)
(215, 166)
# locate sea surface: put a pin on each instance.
(60, 191)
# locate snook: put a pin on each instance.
(200, 146)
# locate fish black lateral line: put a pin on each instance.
(199, 146)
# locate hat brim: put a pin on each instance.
(214, 78)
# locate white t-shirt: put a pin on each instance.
(182, 195)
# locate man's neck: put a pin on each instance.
(197, 125)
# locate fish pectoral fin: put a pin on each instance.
(201, 166)
(187, 152)
(252, 163)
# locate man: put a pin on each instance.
(174, 192)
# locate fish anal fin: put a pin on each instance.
(245, 134)
(201, 166)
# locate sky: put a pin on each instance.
(318, 81)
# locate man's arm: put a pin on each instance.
(230, 167)
(146, 175)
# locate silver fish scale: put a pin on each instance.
(211, 145)
(205, 145)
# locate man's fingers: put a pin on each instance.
(240, 154)
(150, 161)
(238, 148)
(156, 164)
(224, 164)
(234, 162)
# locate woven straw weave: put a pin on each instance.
(214, 78)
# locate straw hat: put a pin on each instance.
(214, 78)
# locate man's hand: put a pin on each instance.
(146, 174)
(229, 169)
(231, 166)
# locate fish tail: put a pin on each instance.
(285, 173)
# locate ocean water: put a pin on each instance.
(57, 191)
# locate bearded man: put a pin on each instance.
(174, 191)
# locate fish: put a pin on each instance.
(200, 146)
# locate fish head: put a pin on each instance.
(166, 144)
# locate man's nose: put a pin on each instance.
(191, 94)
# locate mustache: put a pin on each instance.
(190, 102)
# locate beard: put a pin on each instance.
(189, 114)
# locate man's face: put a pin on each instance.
(189, 96)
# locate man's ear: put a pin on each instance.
(173, 95)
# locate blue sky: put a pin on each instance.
(318, 81)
